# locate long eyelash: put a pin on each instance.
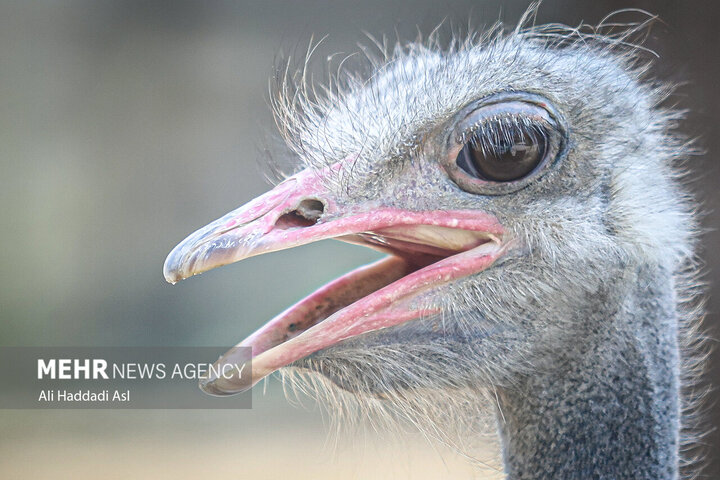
(490, 133)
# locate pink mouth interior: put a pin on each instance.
(407, 257)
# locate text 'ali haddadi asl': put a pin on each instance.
(84, 396)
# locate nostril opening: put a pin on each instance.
(307, 213)
(311, 209)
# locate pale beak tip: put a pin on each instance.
(173, 266)
(220, 387)
(210, 387)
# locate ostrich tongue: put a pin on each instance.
(427, 249)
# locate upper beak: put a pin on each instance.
(427, 247)
(270, 222)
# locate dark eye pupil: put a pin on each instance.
(505, 160)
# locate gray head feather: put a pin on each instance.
(608, 235)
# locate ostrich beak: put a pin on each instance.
(427, 249)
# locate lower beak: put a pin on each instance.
(427, 249)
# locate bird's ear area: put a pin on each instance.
(503, 142)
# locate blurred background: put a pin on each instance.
(126, 125)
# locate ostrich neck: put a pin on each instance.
(608, 406)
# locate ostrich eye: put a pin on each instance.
(503, 144)
(503, 152)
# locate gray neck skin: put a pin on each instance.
(608, 408)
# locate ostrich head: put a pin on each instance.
(523, 187)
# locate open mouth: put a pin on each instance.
(427, 249)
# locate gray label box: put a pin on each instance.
(119, 377)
